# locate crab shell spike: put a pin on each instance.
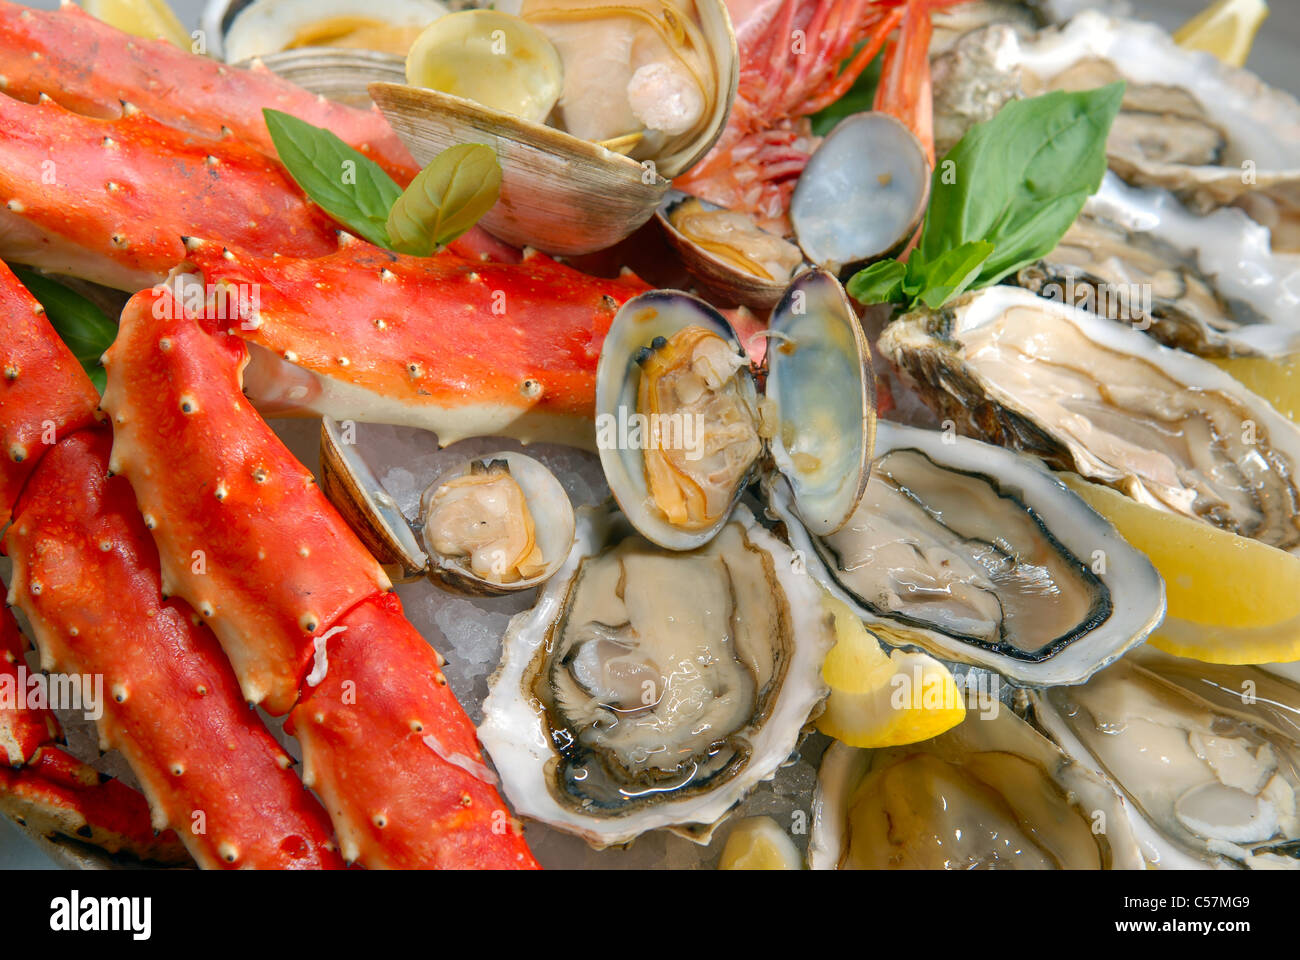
(465, 348)
(261, 600)
(67, 221)
(22, 729)
(58, 794)
(190, 92)
(100, 614)
(398, 764)
(41, 387)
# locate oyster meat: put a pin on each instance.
(1209, 284)
(991, 793)
(1213, 133)
(980, 556)
(1224, 790)
(1167, 428)
(651, 688)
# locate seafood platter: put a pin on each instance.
(736, 434)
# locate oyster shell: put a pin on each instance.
(1224, 791)
(978, 555)
(650, 689)
(1214, 134)
(246, 30)
(991, 793)
(1167, 428)
(1209, 284)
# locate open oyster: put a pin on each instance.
(1224, 791)
(1167, 428)
(991, 793)
(246, 30)
(682, 428)
(978, 555)
(1209, 284)
(652, 689)
(1214, 134)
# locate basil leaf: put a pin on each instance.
(78, 322)
(951, 274)
(446, 199)
(1020, 179)
(881, 282)
(343, 182)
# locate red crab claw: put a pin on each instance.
(459, 347)
(51, 791)
(43, 394)
(86, 574)
(286, 582)
(90, 67)
(108, 200)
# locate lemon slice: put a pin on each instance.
(881, 699)
(1226, 29)
(142, 18)
(494, 59)
(759, 843)
(1276, 379)
(1231, 599)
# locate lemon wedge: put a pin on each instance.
(495, 59)
(141, 18)
(1276, 379)
(759, 843)
(881, 699)
(1231, 600)
(1226, 29)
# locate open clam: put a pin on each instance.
(647, 90)
(682, 428)
(244, 30)
(980, 556)
(490, 525)
(652, 689)
(991, 793)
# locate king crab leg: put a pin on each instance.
(91, 67)
(86, 575)
(298, 604)
(109, 200)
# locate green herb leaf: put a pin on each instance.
(1002, 198)
(446, 199)
(881, 282)
(343, 182)
(1020, 179)
(952, 273)
(78, 322)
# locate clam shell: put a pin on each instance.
(336, 74)
(559, 193)
(244, 30)
(349, 483)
